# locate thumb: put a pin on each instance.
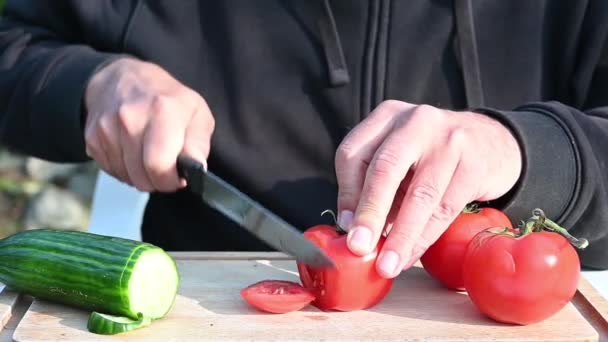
(197, 140)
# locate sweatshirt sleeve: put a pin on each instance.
(45, 65)
(565, 171)
(565, 151)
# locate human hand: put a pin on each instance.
(139, 119)
(408, 170)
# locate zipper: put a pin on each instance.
(368, 58)
(375, 55)
(382, 52)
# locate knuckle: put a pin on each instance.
(126, 115)
(445, 212)
(211, 122)
(385, 108)
(210, 126)
(104, 127)
(153, 165)
(157, 170)
(425, 109)
(385, 164)
(457, 137)
(200, 102)
(391, 105)
(347, 197)
(90, 137)
(369, 213)
(427, 112)
(344, 154)
(161, 104)
(425, 194)
(401, 238)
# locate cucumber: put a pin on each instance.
(109, 325)
(113, 276)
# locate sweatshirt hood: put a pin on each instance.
(465, 34)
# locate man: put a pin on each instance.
(394, 113)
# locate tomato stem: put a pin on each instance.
(471, 208)
(503, 231)
(539, 221)
(528, 227)
(339, 229)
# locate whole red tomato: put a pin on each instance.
(353, 284)
(522, 277)
(444, 259)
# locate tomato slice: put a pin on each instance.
(277, 296)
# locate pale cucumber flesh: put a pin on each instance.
(153, 284)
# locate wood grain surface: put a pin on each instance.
(209, 308)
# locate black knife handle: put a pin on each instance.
(193, 172)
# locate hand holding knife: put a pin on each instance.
(249, 214)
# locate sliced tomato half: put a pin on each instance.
(277, 296)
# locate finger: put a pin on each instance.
(384, 175)
(355, 153)
(398, 153)
(397, 203)
(198, 136)
(460, 192)
(132, 119)
(95, 150)
(163, 140)
(108, 132)
(430, 181)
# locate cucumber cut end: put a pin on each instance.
(153, 284)
(104, 324)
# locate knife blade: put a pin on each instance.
(249, 214)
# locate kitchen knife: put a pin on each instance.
(249, 214)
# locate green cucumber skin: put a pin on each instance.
(70, 267)
(99, 325)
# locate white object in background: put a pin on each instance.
(117, 209)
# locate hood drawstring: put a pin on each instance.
(334, 55)
(465, 25)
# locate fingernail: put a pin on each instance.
(388, 262)
(360, 239)
(345, 218)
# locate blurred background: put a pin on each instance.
(35, 193)
(38, 194)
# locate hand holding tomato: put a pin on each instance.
(444, 259)
(408, 170)
(353, 284)
(522, 277)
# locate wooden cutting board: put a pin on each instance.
(209, 308)
(8, 302)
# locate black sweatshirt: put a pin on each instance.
(286, 80)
